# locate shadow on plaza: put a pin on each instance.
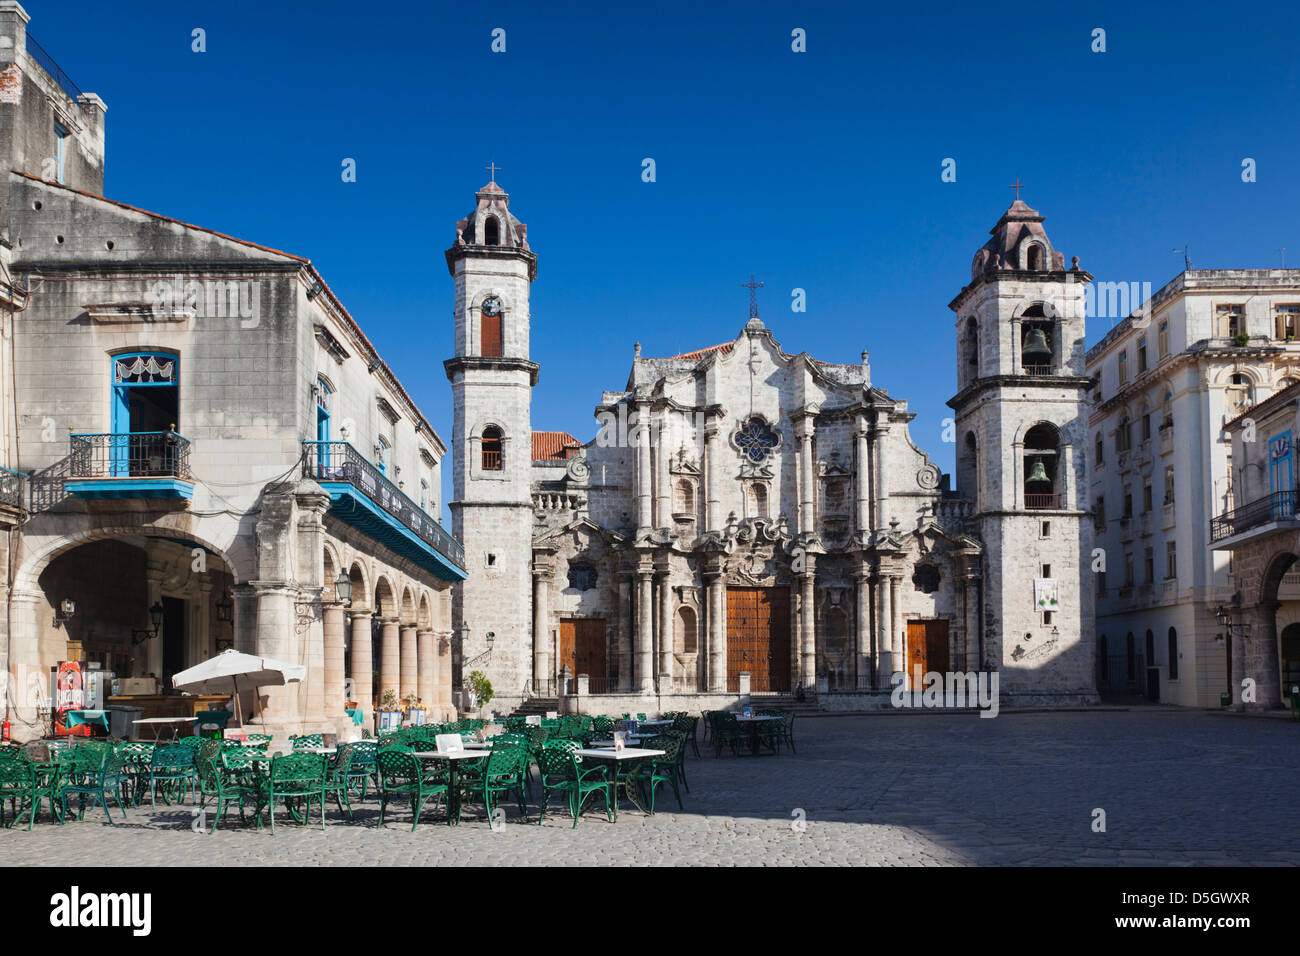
(1174, 786)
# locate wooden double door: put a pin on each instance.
(582, 647)
(758, 638)
(927, 648)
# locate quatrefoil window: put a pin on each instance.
(756, 440)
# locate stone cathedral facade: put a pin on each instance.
(749, 520)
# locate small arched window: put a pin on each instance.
(1035, 257)
(685, 639)
(491, 231)
(493, 453)
(1241, 395)
(684, 497)
(758, 501)
(1173, 654)
(1040, 467)
(972, 347)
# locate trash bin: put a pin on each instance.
(212, 723)
(121, 721)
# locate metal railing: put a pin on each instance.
(1280, 504)
(1035, 369)
(46, 63)
(130, 455)
(339, 461)
(13, 488)
(1038, 502)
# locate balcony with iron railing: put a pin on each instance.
(1042, 502)
(13, 489)
(362, 496)
(1278, 508)
(127, 465)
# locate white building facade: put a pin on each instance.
(1206, 347)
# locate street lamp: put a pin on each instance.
(156, 619)
(225, 609)
(343, 588)
(67, 608)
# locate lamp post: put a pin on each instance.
(67, 608)
(155, 619)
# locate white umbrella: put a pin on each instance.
(222, 674)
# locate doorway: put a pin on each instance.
(927, 648)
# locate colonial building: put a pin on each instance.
(751, 520)
(1260, 531)
(209, 448)
(1204, 348)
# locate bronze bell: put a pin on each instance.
(1038, 472)
(1035, 345)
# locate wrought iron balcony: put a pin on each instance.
(1280, 505)
(13, 489)
(134, 454)
(362, 496)
(128, 465)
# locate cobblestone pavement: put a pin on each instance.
(1178, 787)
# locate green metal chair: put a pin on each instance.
(686, 723)
(294, 777)
(96, 776)
(139, 756)
(562, 772)
(25, 785)
(400, 776)
(656, 770)
(173, 767)
(726, 732)
(225, 786)
(306, 740)
(337, 779)
(683, 738)
(603, 725)
(501, 774)
(363, 769)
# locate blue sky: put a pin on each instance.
(817, 170)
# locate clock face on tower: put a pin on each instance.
(492, 305)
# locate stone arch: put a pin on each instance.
(329, 572)
(1277, 567)
(30, 570)
(360, 587)
(385, 605)
(407, 612)
(424, 613)
(1033, 255)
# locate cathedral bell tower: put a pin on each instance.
(491, 380)
(1021, 420)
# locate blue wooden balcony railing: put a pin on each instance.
(337, 462)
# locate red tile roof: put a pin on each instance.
(724, 348)
(553, 446)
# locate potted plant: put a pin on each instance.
(388, 716)
(481, 689)
(1241, 340)
(415, 713)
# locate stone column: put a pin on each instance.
(390, 658)
(408, 656)
(426, 686)
(244, 623)
(862, 476)
(542, 675)
(663, 453)
(625, 656)
(877, 464)
(446, 709)
(898, 639)
(808, 628)
(973, 621)
(804, 428)
(712, 435)
(1065, 477)
(334, 668)
(862, 670)
(665, 626)
(1014, 351)
(28, 673)
(276, 634)
(884, 640)
(362, 667)
(644, 630)
(201, 645)
(644, 475)
(716, 672)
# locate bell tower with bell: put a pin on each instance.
(1021, 425)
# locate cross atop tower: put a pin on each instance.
(1017, 186)
(753, 288)
(493, 169)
